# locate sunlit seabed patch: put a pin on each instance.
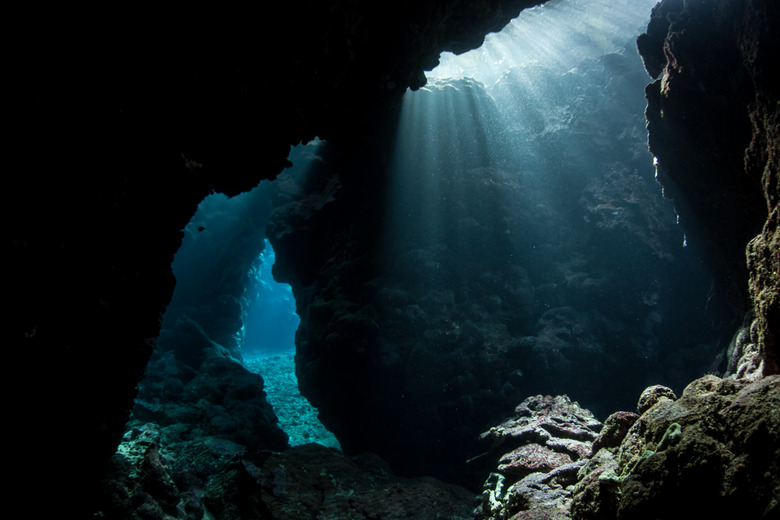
(296, 416)
(559, 34)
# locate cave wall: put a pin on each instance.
(713, 126)
(122, 123)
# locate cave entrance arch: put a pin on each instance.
(205, 375)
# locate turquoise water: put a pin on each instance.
(296, 416)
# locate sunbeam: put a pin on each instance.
(526, 162)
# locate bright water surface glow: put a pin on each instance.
(559, 33)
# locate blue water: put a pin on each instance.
(271, 320)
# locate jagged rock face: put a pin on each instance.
(713, 125)
(712, 453)
(544, 445)
(124, 127)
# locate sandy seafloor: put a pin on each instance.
(296, 416)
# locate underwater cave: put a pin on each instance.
(478, 260)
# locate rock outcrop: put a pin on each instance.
(713, 119)
(219, 479)
(714, 452)
(540, 450)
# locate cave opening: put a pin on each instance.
(224, 363)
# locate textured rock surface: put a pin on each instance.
(714, 452)
(714, 137)
(651, 395)
(544, 445)
(615, 428)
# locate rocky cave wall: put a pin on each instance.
(122, 125)
(713, 125)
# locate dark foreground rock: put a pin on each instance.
(712, 453)
(314, 482)
(305, 482)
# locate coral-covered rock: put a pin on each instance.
(539, 418)
(596, 493)
(653, 394)
(615, 428)
(531, 458)
(713, 452)
(549, 439)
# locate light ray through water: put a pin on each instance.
(528, 158)
(488, 107)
